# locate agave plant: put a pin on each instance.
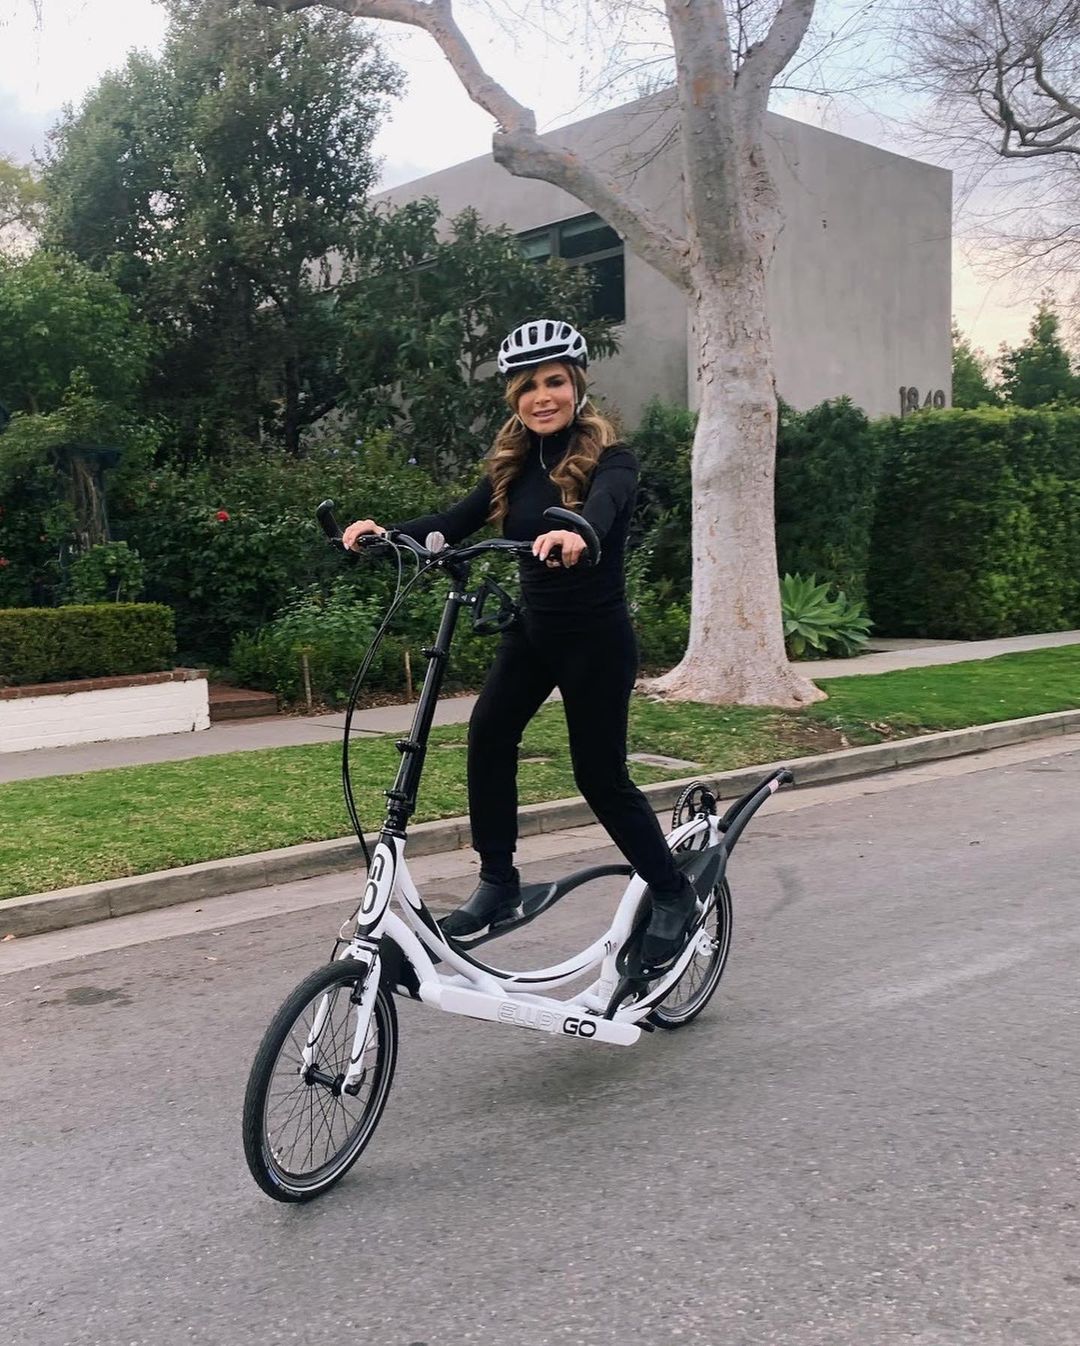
(817, 623)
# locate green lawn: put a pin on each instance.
(77, 829)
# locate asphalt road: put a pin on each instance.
(869, 1138)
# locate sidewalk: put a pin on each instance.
(282, 731)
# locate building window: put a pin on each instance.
(586, 241)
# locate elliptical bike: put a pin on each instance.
(322, 1074)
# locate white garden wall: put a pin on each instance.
(57, 714)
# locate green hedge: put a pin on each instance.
(828, 463)
(977, 532)
(827, 468)
(100, 640)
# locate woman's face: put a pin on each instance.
(548, 400)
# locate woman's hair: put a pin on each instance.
(590, 434)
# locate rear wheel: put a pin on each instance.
(694, 989)
(303, 1129)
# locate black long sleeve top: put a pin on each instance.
(567, 598)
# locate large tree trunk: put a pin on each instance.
(736, 647)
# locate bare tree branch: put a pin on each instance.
(766, 59)
(516, 144)
(705, 78)
(1001, 83)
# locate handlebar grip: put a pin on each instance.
(579, 525)
(327, 522)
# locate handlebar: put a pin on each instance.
(329, 524)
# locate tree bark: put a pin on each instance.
(735, 652)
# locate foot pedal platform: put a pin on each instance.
(556, 1018)
(536, 898)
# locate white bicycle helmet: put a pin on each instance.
(537, 342)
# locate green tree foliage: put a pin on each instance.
(72, 360)
(970, 386)
(57, 315)
(1039, 371)
(215, 183)
(425, 303)
(21, 201)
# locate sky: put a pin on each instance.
(435, 125)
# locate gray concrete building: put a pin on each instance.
(859, 292)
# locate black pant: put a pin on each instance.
(595, 671)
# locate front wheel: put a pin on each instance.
(303, 1130)
(694, 989)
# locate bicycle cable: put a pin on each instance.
(400, 594)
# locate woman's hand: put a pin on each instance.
(358, 529)
(571, 545)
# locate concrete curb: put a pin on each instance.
(40, 912)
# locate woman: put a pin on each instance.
(574, 632)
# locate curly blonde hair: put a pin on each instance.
(591, 435)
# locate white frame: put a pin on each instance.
(481, 991)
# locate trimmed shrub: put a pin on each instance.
(95, 641)
(827, 468)
(978, 524)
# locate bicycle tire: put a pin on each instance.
(673, 1012)
(314, 1104)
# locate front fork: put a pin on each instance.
(363, 996)
(363, 947)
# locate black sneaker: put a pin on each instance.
(490, 905)
(672, 916)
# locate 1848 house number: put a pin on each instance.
(909, 400)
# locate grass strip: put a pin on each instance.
(64, 830)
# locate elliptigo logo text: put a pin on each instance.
(545, 1020)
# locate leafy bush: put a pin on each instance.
(109, 572)
(226, 543)
(818, 623)
(335, 627)
(827, 471)
(102, 640)
(978, 524)
(34, 517)
(332, 630)
(662, 520)
(661, 620)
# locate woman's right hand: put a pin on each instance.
(358, 529)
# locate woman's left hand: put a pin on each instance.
(571, 545)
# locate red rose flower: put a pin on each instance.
(4, 562)
(223, 516)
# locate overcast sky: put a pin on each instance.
(434, 126)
